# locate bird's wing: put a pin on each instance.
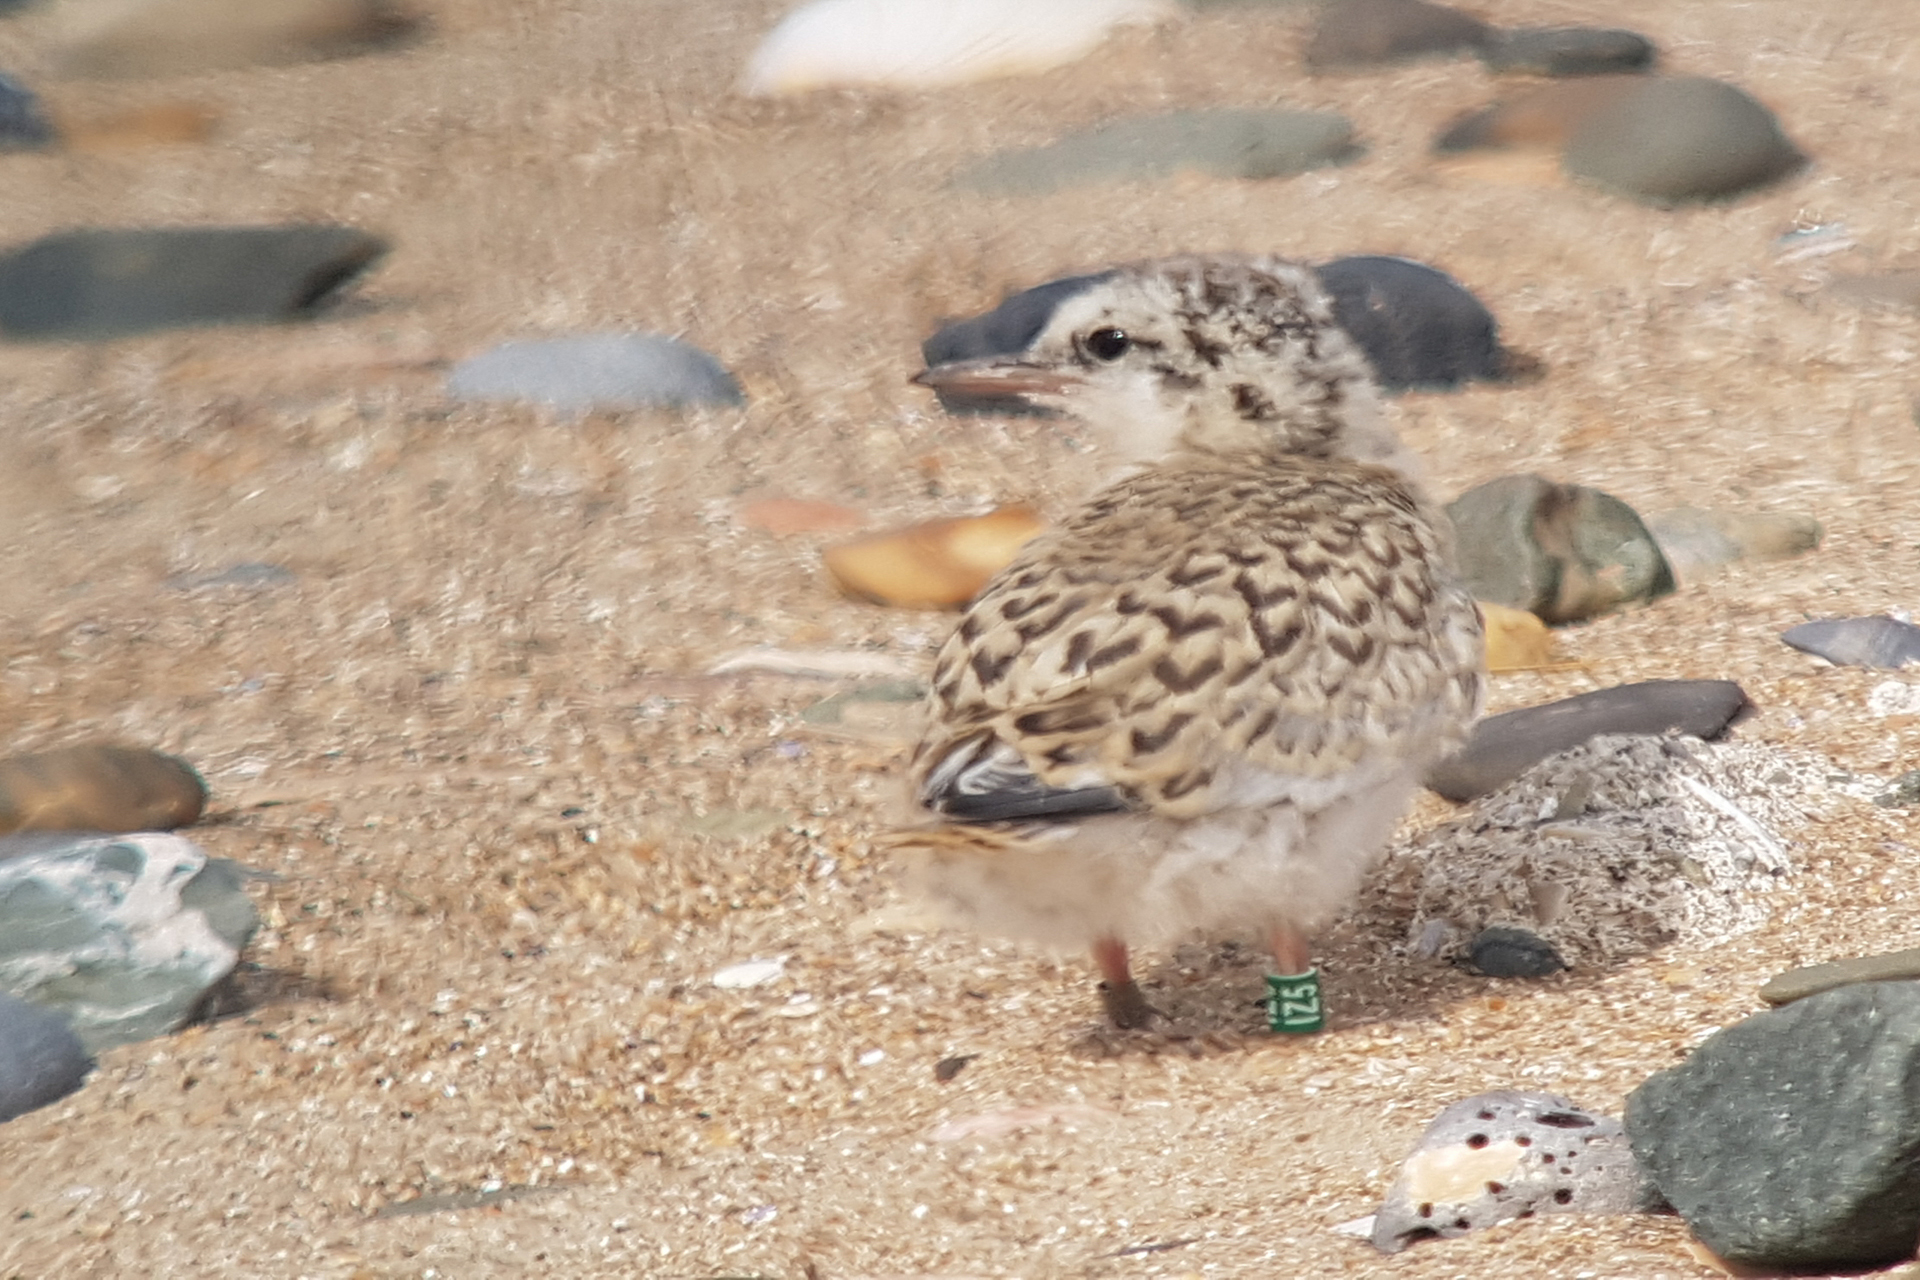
(1195, 635)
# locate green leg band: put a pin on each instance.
(1293, 1003)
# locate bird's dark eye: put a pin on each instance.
(1108, 344)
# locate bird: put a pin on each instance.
(1202, 701)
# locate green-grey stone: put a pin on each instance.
(1679, 139)
(1798, 984)
(1789, 1140)
(1222, 143)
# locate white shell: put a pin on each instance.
(910, 44)
(750, 973)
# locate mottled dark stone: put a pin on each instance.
(1368, 32)
(1530, 1153)
(1567, 51)
(41, 1059)
(1564, 552)
(1679, 139)
(1222, 142)
(1858, 642)
(1501, 952)
(1790, 1140)
(1505, 746)
(1419, 327)
(109, 283)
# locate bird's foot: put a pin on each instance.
(1126, 1006)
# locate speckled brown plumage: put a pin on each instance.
(1205, 698)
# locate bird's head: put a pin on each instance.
(1207, 353)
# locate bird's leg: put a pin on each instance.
(1293, 994)
(1126, 1007)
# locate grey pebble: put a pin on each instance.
(23, 125)
(1350, 33)
(107, 283)
(1509, 1154)
(1798, 984)
(1502, 952)
(1682, 138)
(41, 1059)
(1567, 51)
(1224, 143)
(1789, 1140)
(1505, 746)
(1858, 642)
(582, 372)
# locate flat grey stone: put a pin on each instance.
(248, 575)
(121, 934)
(1564, 552)
(1505, 746)
(582, 372)
(1798, 984)
(1420, 327)
(1503, 952)
(1858, 642)
(1365, 32)
(41, 1060)
(1790, 1139)
(1223, 143)
(23, 125)
(1681, 138)
(108, 283)
(1509, 1154)
(1696, 542)
(1567, 51)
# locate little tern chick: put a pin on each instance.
(1205, 699)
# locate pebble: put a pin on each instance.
(1671, 140)
(750, 973)
(1798, 984)
(23, 125)
(1695, 542)
(1882, 642)
(1221, 143)
(1506, 745)
(1505, 952)
(921, 44)
(1352, 33)
(98, 788)
(1789, 1140)
(248, 575)
(1545, 117)
(583, 372)
(41, 1059)
(1564, 552)
(1420, 327)
(124, 935)
(1509, 1154)
(1567, 51)
(118, 38)
(1903, 794)
(107, 283)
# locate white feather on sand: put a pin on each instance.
(917, 44)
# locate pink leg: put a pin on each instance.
(1126, 1007)
(1291, 952)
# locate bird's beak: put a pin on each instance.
(997, 376)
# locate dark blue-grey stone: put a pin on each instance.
(23, 126)
(1567, 51)
(1563, 1159)
(41, 1059)
(1790, 1140)
(1681, 138)
(108, 283)
(1858, 642)
(1501, 952)
(1505, 746)
(582, 372)
(1419, 327)
(1225, 143)
(124, 935)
